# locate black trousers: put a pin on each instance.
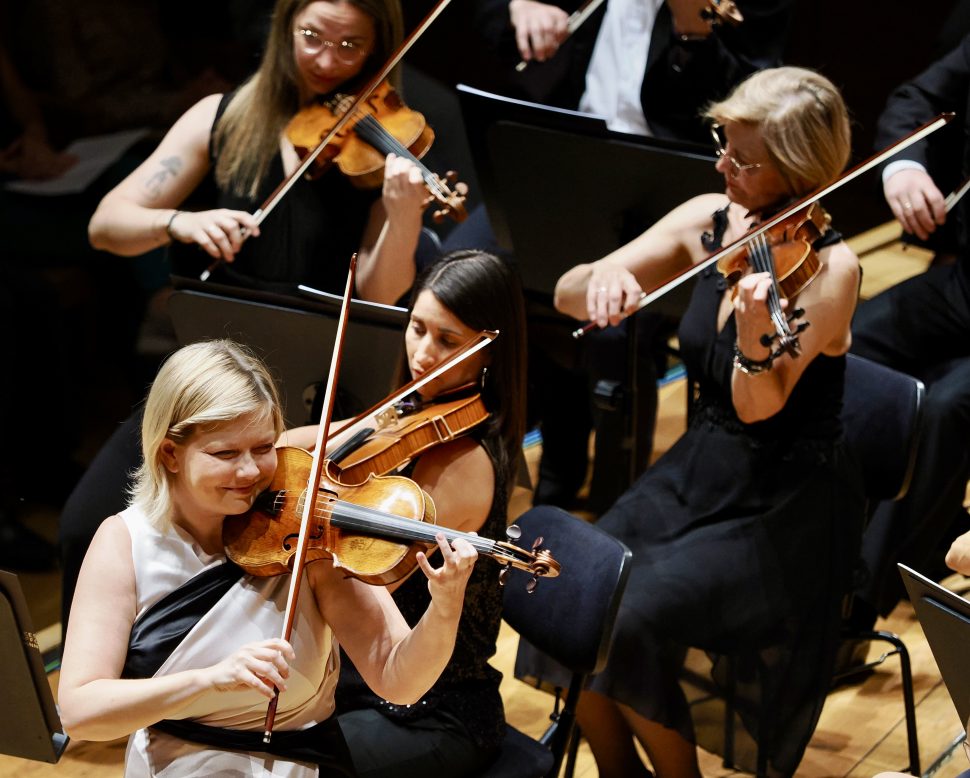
(921, 327)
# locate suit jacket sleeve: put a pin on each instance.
(943, 86)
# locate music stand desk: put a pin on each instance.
(30, 727)
(295, 337)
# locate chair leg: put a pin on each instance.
(909, 705)
(572, 753)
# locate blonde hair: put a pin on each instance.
(199, 386)
(803, 122)
(247, 135)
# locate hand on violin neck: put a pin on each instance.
(447, 582)
(405, 195)
(752, 315)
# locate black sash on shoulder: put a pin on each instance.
(322, 744)
(163, 626)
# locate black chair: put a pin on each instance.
(881, 416)
(569, 619)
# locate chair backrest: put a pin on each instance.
(881, 415)
(570, 617)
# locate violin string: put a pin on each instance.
(378, 136)
(369, 520)
(763, 262)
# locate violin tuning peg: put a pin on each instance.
(513, 532)
(451, 176)
(462, 189)
(503, 574)
(766, 340)
(530, 587)
(537, 543)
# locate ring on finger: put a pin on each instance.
(907, 206)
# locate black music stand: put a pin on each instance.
(945, 619)
(295, 337)
(561, 189)
(29, 725)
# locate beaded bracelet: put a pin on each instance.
(168, 227)
(750, 366)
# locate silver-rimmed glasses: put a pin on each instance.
(737, 168)
(347, 52)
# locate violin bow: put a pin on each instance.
(672, 283)
(279, 193)
(313, 484)
(956, 195)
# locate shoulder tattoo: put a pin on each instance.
(169, 168)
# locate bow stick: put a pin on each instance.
(915, 136)
(313, 484)
(280, 192)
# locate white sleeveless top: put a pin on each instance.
(250, 611)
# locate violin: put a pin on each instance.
(414, 427)
(372, 530)
(786, 253)
(379, 125)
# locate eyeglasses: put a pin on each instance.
(346, 52)
(737, 168)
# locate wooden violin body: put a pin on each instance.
(795, 261)
(372, 530)
(409, 432)
(380, 125)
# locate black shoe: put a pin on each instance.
(22, 549)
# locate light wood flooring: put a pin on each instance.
(861, 731)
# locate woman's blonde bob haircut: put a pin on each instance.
(803, 122)
(199, 387)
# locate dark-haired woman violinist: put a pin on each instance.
(316, 48)
(456, 727)
(744, 532)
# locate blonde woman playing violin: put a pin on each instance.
(174, 646)
(744, 532)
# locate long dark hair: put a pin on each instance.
(485, 293)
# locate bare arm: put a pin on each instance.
(605, 290)
(829, 302)
(134, 216)
(385, 262)
(397, 663)
(958, 557)
(96, 703)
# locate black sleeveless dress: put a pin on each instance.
(307, 239)
(468, 690)
(743, 540)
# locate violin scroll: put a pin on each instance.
(538, 561)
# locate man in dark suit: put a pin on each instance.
(686, 58)
(922, 326)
